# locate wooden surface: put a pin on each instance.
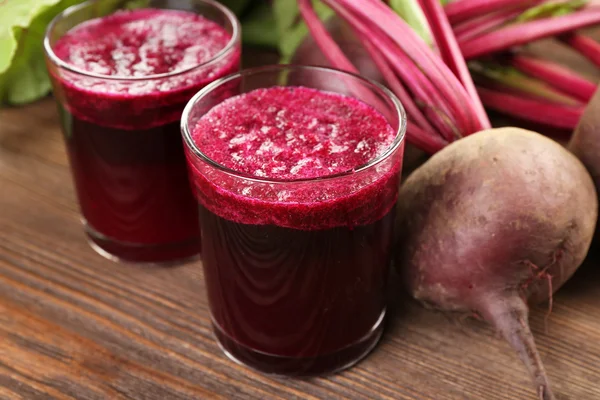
(76, 326)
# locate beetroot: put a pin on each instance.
(492, 221)
(585, 143)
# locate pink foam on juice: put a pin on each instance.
(121, 113)
(295, 133)
(143, 43)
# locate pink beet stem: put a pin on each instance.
(588, 47)
(332, 51)
(509, 314)
(515, 35)
(430, 144)
(425, 92)
(418, 132)
(485, 23)
(422, 55)
(451, 54)
(328, 46)
(559, 116)
(410, 74)
(525, 86)
(421, 138)
(556, 75)
(434, 45)
(462, 10)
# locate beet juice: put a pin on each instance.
(296, 190)
(122, 81)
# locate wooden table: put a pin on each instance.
(76, 326)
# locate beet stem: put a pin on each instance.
(512, 81)
(509, 314)
(522, 33)
(452, 55)
(559, 116)
(461, 10)
(396, 86)
(420, 134)
(423, 56)
(477, 27)
(420, 137)
(430, 144)
(588, 47)
(556, 75)
(333, 52)
(437, 106)
(413, 112)
(328, 46)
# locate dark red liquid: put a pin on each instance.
(123, 136)
(133, 188)
(296, 272)
(291, 301)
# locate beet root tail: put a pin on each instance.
(509, 314)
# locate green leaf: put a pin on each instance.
(16, 15)
(106, 7)
(286, 14)
(552, 9)
(290, 26)
(291, 40)
(411, 12)
(135, 4)
(23, 76)
(27, 79)
(260, 28)
(8, 47)
(237, 6)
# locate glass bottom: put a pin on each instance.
(158, 254)
(301, 366)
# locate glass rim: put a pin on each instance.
(390, 149)
(235, 38)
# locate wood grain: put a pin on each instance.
(76, 326)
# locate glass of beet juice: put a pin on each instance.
(121, 79)
(296, 171)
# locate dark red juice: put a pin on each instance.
(121, 120)
(296, 271)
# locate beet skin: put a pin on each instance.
(585, 142)
(491, 222)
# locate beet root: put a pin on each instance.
(585, 142)
(493, 221)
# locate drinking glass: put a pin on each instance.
(124, 144)
(296, 270)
